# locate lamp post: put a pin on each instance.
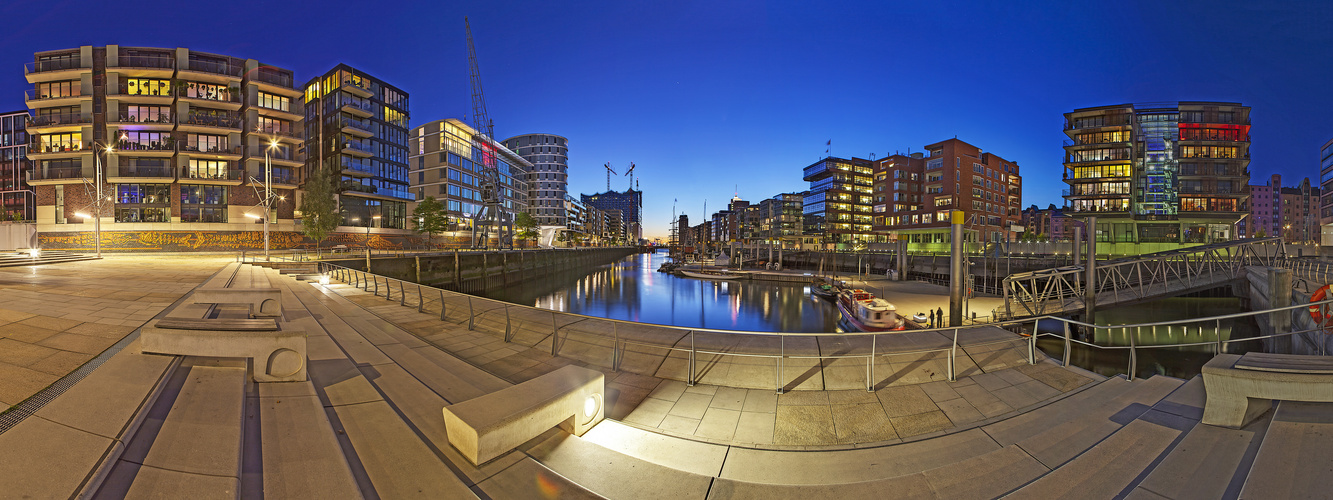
(268, 190)
(97, 217)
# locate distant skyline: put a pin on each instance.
(704, 96)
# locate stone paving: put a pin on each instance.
(54, 318)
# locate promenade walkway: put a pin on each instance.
(368, 421)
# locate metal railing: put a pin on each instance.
(364, 148)
(188, 173)
(60, 119)
(855, 346)
(143, 171)
(1054, 291)
(161, 62)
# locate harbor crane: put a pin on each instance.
(490, 178)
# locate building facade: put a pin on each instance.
(837, 207)
(18, 201)
(356, 125)
(630, 205)
(449, 161)
(1326, 193)
(178, 137)
(548, 179)
(775, 221)
(1050, 224)
(1161, 172)
(914, 194)
(1291, 213)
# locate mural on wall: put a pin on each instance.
(217, 241)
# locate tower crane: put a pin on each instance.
(609, 171)
(630, 173)
(490, 179)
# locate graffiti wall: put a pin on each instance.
(219, 241)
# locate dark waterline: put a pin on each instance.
(632, 289)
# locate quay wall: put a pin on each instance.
(479, 272)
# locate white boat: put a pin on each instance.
(713, 275)
(867, 313)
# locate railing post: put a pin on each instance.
(470, 313)
(376, 279)
(1067, 343)
(402, 295)
(421, 300)
(441, 306)
(692, 351)
(1218, 331)
(555, 335)
(1032, 344)
(870, 366)
(782, 351)
(508, 323)
(615, 347)
(1133, 353)
(953, 351)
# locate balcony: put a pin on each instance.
(161, 149)
(361, 89)
(64, 122)
(55, 175)
(280, 132)
(357, 128)
(275, 82)
(359, 168)
(56, 69)
(229, 177)
(39, 151)
(1103, 121)
(277, 156)
(357, 149)
(211, 98)
(160, 95)
(218, 152)
(34, 100)
(282, 178)
(356, 108)
(1071, 143)
(161, 121)
(211, 71)
(210, 122)
(147, 65)
(134, 173)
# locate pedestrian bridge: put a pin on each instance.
(1136, 279)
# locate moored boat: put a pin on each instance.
(713, 275)
(864, 312)
(825, 291)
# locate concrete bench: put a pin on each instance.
(263, 302)
(488, 426)
(279, 355)
(1242, 388)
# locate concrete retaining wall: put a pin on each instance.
(482, 272)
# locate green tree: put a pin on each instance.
(430, 217)
(526, 226)
(319, 213)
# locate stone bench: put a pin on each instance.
(488, 426)
(263, 302)
(1242, 388)
(278, 355)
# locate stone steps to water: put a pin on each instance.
(22, 258)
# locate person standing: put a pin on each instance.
(939, 314)
(932, 318)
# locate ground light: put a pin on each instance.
(324, 279)
(591, 407)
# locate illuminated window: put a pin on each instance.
(146, 86)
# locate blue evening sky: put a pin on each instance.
(707, 95)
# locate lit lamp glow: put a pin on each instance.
(592, 406)
(253, 216)
(324, 279)
(34, 252)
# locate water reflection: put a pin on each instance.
(632, 289)
(1180, 362)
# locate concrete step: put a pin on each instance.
(1293, 461)
(1026, 425)
(1068, 438)
(299, 452)
(606, 472)
(189, 442)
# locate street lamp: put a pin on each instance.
(97, 217)
(268, 190)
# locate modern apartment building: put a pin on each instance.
(1291, 213)
(1159, 172)
(914, 194)
(450, 162)
(548, 178)
(356, 125)
(775, 221)
(181, 136)
(630, 205)
(1048, 223)
(17, 199)
(837, 207)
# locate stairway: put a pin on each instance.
(23, 258)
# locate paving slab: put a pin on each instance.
(301, 456)
(1293, 460)
(613, 474)
(44, 459)
(854, 465)
(397, 462)
(681, 454)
